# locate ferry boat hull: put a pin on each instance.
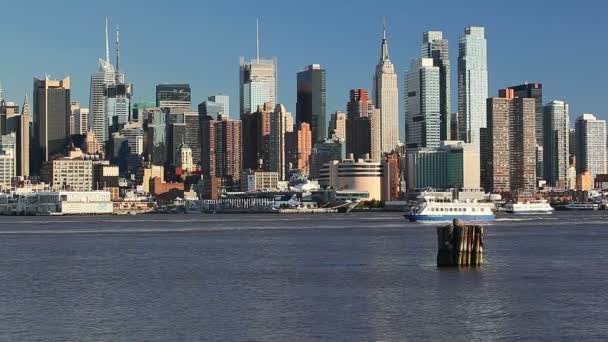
(415, 218)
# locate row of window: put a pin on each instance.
(459, 209)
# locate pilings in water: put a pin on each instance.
(460, 245)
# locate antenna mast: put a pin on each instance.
(257, 41)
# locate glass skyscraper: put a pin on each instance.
(423, 104)
(311, 100)
(472, 84)
(256, 93)
(436, 47)
(174, 96)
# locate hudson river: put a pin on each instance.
(341, 277)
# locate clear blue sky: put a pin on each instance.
(562, 44)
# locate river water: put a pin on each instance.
(340, 277)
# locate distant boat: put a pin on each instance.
(582, 206)
(531, 207)
(431, 209)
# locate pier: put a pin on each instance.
(459, 245)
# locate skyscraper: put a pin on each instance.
(106, 76)
(51, 112)
(223, 100)
(386, 99)
(472, 84)
(591, 145)
(535, 91)
(436, 47)
(255, 93)
(360, 111)
(337, 126)
(281, 124)
(423, 104)
(556, 143)
(24, 135)
(311, 100)
(174, 96)
(510, 162)
(261, 70)
(256, 133)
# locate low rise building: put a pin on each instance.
(72, 174)
(259, 180)
(350, 174)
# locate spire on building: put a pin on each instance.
(1, 92)
(385, 55)
(25, 109)
(257, 41)
(117, 48)
(107, 44)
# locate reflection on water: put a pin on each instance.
(275, 278)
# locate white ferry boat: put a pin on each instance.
(582, 206)
(431, 209)
(531, 207)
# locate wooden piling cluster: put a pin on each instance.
(460, 245)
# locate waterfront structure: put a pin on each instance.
(74, 174)
(454, 164)
(311, 100)
(591, 145)
(174, 96)
(221, 148)
(104, 77)
(556, 143)
(436, 47)
(252, 181)
(223, 101)
(350, 174)
(509, 162)
(386, 99)
(423, 104)
(51, 110)
(260, 70)
(337, 126)
(281, 125)
(472, 84)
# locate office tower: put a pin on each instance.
(311, 100)
(8, 159)
(572, 137)
(118, 103)
(209, 110)
(454, 134)
(337, 126)
(174, 96)
(221, 148)
(386, 99)
(359, 124)
(100, 80)
(472, 84)
(138, 111)
(51, 111)
(281, 124)
(436, 47)
(591, 145)
(323, 153)
(193, 133)
(23, 129)
(423, 104)
(510, 137)
(256, 132)
(176, 135)
(261, 70)
(157, 141)
(556, 143)
(255, 94)
(223, 100)
(7, 110)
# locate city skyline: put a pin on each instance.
(142, 61)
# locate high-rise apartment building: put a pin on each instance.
(311, 100)
(591, 145)
(221, 148)
(303, 147)
(556, 144)
(386, 99)
(51, 112)
(509, 161)
(472, 84)
(337, 126)
(535, 91)
(174, 96)
(436, 47)
(423, 104)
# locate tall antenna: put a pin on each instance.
(383, 27)
(1, 92)
(257, 41)
(117, 48)
(107, 44)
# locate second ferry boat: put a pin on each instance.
(530, 207)
(430, 208)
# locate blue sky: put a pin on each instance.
(562, 44)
